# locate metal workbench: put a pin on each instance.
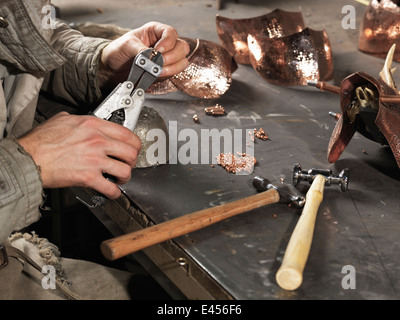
(238, 258)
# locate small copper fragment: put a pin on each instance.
(380, 29)
(236, 164)
(261, 134)
(232, 33)
(216, 110)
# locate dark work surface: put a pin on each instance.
(358, 228)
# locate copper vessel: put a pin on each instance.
(380, 29)
(208, 75)
(294, 59)
(232, 33)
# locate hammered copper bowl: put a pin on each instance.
(208, 75)
(232, 33)
(380, 29)
(294, 59)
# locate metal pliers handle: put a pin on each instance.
(124, 104)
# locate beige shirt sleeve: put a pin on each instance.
(20, 189)
(76, 81)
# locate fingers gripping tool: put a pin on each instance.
(124, 104)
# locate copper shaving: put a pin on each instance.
(261, 134)
(216, 110)
(236, 164)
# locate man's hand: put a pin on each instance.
(117, 57)
(75, 151)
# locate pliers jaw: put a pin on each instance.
(120, 107)
(124, 104)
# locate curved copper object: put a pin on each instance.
(294, 59)
(380, 29)
(209, 74)
(232, 33)
(387, 117)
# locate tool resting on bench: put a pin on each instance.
(123, 245)
(290, 273)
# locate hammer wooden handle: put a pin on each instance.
(290, 274)
(123, 245)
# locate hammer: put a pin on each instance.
(123, 245)
(290, 273)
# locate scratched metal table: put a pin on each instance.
(238, 258)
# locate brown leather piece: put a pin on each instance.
(387, 119)
(380, 29)
(232, 33)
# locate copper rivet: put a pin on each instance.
(3, 23)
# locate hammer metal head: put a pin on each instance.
(308, 175)
(287, 194)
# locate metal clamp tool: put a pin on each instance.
(124, 104)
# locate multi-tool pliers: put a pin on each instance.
(124, 104)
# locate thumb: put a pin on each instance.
(167, 39)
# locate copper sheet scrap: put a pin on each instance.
(240, 163)
(293, 59)
(209, 74)
(387, 119)
(213, 111)
(380, 29)
(232, 33)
